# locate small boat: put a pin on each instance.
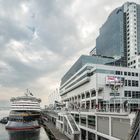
(4, 120)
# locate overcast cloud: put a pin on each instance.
(41, 39)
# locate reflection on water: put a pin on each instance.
(24, 135)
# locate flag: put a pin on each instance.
(31, 94)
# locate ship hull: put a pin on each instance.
(22, 126)
(24, 134)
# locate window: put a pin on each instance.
(77, 118)
(136, 94)
(137, 83)
(133, 83)
(129, 73)
(83, 120)
(91, 122)
(129, 82)
(78, 96)
(83, 96)
(93, 93)
(118, 72)
(127, 93)
(133, 74)
(136, 74)
(125, 73)
(125, 82)
(87, 95)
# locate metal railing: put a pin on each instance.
(135, 127)
(72, 122)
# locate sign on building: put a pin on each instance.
(114, 80)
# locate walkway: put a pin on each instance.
(54, 133)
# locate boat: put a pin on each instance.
(25, 113)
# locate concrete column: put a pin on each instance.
(96, 137)
(86, 135)
(90, 100)
(96, 100)
(96, 127)
(74, 102)
(87, 127)
(85, 100)
(121, 107)
(80, 135)
(110, 126)
(139, 131)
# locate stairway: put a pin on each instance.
(71, 128)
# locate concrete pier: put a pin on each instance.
(53, 133)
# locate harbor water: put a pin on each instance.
(38, 134)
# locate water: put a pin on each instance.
(39, 134)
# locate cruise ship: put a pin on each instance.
(24, 114)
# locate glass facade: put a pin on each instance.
(110, 41)
(120, 34)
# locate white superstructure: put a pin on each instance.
(25, 103)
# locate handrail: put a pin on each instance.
(135, 126)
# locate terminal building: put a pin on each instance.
(101, 98)
(101, 92)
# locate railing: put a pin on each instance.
(112, 109)
(72, 122)
(135, 126)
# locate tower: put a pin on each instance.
(119, 36)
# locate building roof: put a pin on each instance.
(84, 59)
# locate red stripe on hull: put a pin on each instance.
(20, 129)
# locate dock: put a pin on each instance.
(53, 132)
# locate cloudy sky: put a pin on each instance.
(41, 39)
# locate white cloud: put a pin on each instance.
(40, 40)
(24, 7)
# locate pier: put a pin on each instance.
(49, 124)
(52, 132)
